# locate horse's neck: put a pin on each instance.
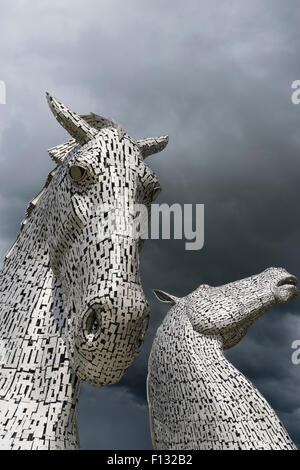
(177, 346)
(38, 390)
(191, 346)
(202, 357)
(198, 400)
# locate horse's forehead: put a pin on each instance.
(107, 148)
(215, 293)
(240, 287)
(205, 294)
(252, 285)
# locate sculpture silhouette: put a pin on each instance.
(197, 398)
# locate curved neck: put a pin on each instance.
(199, 400)
(38, 389)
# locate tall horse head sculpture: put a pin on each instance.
(72, 304)
(197, 399)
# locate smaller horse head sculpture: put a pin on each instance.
(229, 310)
(197, 399)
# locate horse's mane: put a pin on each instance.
(30, 208)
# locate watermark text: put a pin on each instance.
(296, 354)
(180, 222)
(2, 92)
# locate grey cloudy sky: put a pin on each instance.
(216, 76)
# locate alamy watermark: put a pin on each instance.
(295, 97)
(2, 92)
(180, 222)
(296, 354)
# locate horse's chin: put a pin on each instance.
(233, 337)
(99, 376)
(102, 380)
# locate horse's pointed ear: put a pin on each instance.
(77, 127)
(59, 152)
(152, 145)
(165, 297)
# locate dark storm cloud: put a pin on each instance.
(107, 415)
(216, 76)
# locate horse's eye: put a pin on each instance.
(77, 173)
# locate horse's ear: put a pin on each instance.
(152, 145)
(77, 127)
(165, 297)
(59, 152)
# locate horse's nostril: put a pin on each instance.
(92, 323)
(289, 280)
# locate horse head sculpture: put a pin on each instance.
(107, 312)
(197, 399)
(229, 310)
(72, 303)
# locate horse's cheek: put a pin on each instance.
(80, 208)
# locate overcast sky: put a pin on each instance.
(216, 76)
